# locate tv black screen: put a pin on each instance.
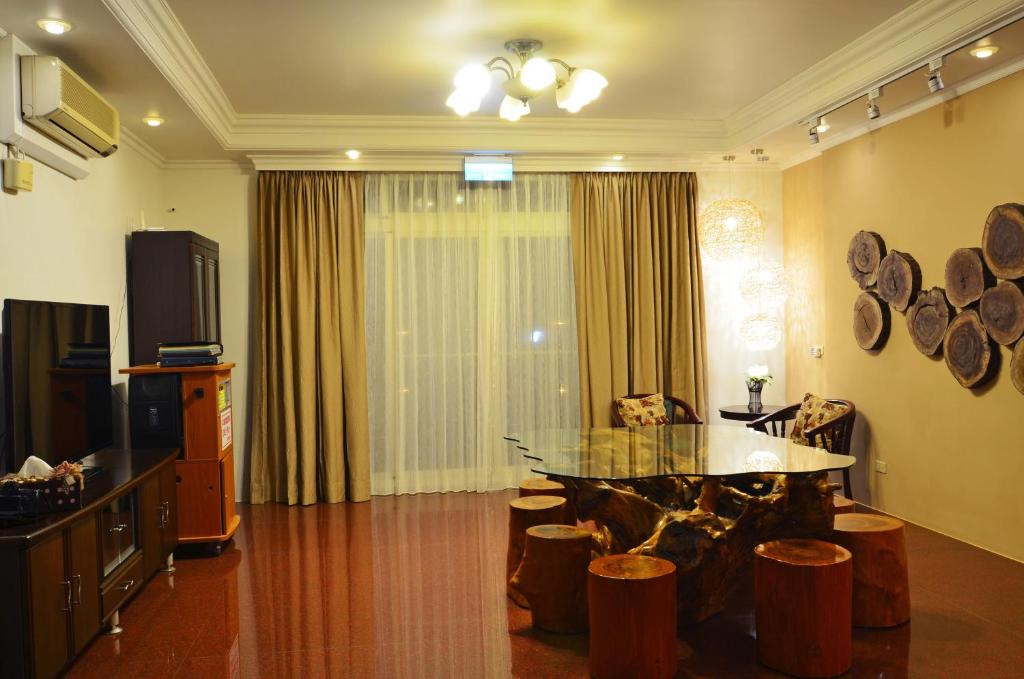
(56, 381)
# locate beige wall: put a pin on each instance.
(65, 240)
(926, 184)
(218, 204)
(728, 356)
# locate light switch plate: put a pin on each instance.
(815, 351)
(881, 467)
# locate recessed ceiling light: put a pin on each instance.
(153, 121)
(353, 154)
(984, 51)
(54, 26)
(618, 156)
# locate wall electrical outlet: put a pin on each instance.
(815, 351)
(881, 467)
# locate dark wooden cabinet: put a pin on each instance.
(158, 500)
(65, 574)
(173, 290)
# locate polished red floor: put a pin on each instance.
(413, 587)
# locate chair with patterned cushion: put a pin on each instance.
(819, 422)
(652, 410)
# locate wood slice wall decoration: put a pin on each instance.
(927, 320)
(981, 307)
(863, 257)
(1002, 242)
(971, 355)
(871, 321)
(1017, 367)
(967, 276)
(899, 279)
(1002, 312)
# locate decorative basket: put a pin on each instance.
(35, 495)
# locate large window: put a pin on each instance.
(470, 326)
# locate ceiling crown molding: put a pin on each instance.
(910, 37)
(156, 29)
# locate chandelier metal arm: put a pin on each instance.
(503, 65)
(568, 69)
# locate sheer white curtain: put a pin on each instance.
(470, 326)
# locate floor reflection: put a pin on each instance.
(413, 587)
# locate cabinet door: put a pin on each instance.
(197, 256)
(200, 504)
(50, 604)
(169, 499)
(212, 297)
(84, 572)
(151, 520)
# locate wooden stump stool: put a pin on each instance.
(881, 592)
(553, 577)
(542, 486)
(525, 512)
(632, 602)
(802, 595)
(843, 505)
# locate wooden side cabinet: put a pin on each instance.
(205, 469)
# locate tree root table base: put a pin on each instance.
(708, 527)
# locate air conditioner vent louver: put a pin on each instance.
(56, 101)
(82, 98)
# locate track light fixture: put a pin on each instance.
(812, 131)
(873, 95)
(935, 83)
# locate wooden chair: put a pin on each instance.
(678, 410)
(834, 436)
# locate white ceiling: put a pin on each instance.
(664, 59)
(689, 79)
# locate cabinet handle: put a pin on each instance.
(119, 528)
(199, 392)
(125, 586)
(66, 584)
(78, 590)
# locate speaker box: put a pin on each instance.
(155, 411)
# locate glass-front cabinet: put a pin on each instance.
(119, 531)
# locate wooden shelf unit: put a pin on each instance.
(205, 467)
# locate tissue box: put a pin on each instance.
(32, 497)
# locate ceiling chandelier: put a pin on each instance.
(730, 228)
(535, 75)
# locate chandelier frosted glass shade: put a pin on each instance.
(574, 87)
(761, 331)
(765, 286)
(731, 229)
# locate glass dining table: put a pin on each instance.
(701, 496)
(631, 453)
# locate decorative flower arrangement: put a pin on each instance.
(758, 375)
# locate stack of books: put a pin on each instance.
(180, 354)
(86, 356)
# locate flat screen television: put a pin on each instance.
(56, 382)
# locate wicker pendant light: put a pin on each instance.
(765, 286)
(761, 330)
(731, 229)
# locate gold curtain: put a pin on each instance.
(639, 296)
(310, 431)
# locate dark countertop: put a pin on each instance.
(122, 469)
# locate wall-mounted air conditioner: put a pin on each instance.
(13, 128)
(55, 100)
